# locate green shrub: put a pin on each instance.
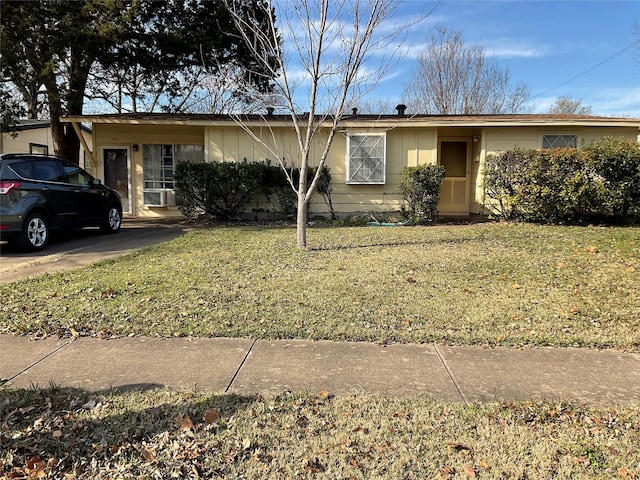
(420, 188)
(218, 189)
(616, 162)
(598, 182)
(223, 190)
(278, 191)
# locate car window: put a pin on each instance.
(76, 175)
(24, 169)
(47, 170)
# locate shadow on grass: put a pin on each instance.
(410, 243)
(59, 432)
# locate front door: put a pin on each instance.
(116, 173)
(454, 155)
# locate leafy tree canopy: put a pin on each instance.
(49, 48)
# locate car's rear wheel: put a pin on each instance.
(35, 233)
(113, 219)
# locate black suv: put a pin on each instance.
(41, 192)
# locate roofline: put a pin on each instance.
(359, 121)
(35, 124)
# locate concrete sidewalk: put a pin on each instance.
(244, 366)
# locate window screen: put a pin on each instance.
(559, 141)
(366, 158)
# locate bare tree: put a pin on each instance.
(453, 78)
(566, 104)
(334, 43)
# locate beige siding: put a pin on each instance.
(409, 146)
(25, 138)
(125, 136)
(406, 146)
(506, 138)
(22, 142)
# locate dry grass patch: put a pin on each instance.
(56, 433)
(481, 284)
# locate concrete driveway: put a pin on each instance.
(76, 249)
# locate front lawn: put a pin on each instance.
(484, 284)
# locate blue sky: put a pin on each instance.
(557, 48)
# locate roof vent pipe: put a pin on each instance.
(354, 111)
(269, 111)
(401, 108)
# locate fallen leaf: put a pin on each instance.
(148, 454)
(211, 416)
(446, 473)
(626, 474)
(591, 249)
(57, 434)
(469, 471)
(183, 422)
(325, 394)
(34, 463)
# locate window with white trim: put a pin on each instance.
(366, 158)
(38, 148)
(159, 163)
(559, 141)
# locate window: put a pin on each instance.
(366, 158)
(38, 149)
(559, 141)
(46, 171)
(159, 163)
(75, 175)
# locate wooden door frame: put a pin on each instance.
(468, 164)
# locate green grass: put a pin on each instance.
(164, 434)
(482, 284)
(485, 284)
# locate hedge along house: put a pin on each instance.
(137, 153)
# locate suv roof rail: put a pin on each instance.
(9, 156)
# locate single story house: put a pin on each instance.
(137, 153)
(34, 136)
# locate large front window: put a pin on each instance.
(366, 158)
(160, 160)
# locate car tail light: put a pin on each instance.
(6, 187)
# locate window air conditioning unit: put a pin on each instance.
(170, 198)
(154, 198)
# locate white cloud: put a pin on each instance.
(510, 48)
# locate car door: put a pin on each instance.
(87, 194)
(49, 182)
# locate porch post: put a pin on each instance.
(85, 147)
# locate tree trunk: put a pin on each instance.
(301, 221)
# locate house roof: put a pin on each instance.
(35, 124)
(359, 120)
